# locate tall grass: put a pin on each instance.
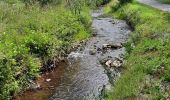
(32, 35)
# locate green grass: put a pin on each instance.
(164, 1)
(30, 36)
(151, 37)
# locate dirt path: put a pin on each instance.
(156, 4)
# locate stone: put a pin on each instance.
(98, 49)
(117, 63)
(38, 86)
(113, 22)
(110, 20)
(94, 46)
(102, 29)
(105, 46)
(94, 34)
(48, 80)
(108, 63)
(34, 85)
(92, 52)
(116, 46)
(113, 46)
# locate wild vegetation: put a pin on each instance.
(35, 34)
(147, 69)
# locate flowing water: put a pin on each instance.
(83, 76)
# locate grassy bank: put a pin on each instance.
(34, 36)
(147, 68)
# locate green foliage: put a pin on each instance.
(114, 5)
(151, 52)
(11, 1)
(15, 64)
(30, 36)
(77, 6)
(42, 2)
(111, 6)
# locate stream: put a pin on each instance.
(85, 76)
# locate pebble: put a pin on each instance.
(48, 80)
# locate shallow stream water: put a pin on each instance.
(83, 77)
